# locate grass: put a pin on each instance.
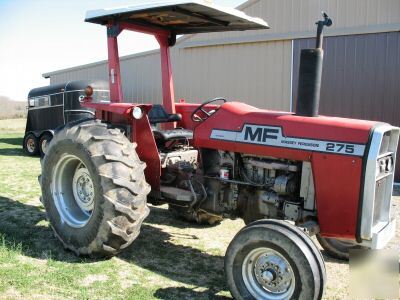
(170, 259)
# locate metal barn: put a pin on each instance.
(362, 55)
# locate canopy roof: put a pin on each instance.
(179, 17)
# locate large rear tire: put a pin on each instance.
(93, 189)
(271, 259)
(337, 248)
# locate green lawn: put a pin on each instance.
(170, 260)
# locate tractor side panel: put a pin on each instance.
(147, 151)
(334, 146)
(337, 188)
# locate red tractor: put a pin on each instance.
(288, 175)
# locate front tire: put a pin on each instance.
(337, 248)
(271, 259)
(93, 189)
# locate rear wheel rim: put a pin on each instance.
(30, 145)
(267, 274)
(73, 191)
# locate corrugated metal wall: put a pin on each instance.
(360, 77)
(258, 74)
(98, 71)
(296, 17)
(141, 78)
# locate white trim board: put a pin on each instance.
(266, 37)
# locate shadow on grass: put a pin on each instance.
(12, 151)
(12, 141)
(24, 225)
(186, 293)
(156, 251)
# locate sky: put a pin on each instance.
(39, 36)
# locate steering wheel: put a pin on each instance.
(196, 118)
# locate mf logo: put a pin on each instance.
(273, 136)
(260, 134)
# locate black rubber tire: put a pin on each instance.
(338, 249)
(119, 184)
(199, 216)
(292, 243)
(46, 137)
(31, 137)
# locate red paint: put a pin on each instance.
(114, 71)
(147, 151)
(166, 75)
(337, 188)
(337, 177)
(144, 29)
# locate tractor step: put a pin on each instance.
(177, 194)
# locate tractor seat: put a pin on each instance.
(174, 134)
(157, 114)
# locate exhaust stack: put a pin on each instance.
(310, 74)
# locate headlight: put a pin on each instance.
(137, 113)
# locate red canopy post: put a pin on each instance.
(166, 74)
(114, 71)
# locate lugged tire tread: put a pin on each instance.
(93, 134)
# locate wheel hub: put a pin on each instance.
(267, 274)
(82, 186)
(73, 191)
(272, 273)
(30, 145)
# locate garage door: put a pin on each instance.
(360, 77)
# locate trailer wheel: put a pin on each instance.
(44, 142)
(337, 248)
(270, 259)
(93, 189)
(31, 144)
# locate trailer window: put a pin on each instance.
(31, 102)
(42, 101)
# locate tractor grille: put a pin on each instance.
(379, 177)
(385, 167)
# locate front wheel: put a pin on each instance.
(272, 259)
(93, 189)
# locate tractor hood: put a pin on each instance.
(179, 17)
(244, 128)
